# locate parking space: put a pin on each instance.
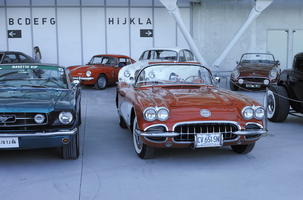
(108, 167)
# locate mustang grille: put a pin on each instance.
(188, 131)
(14, 120)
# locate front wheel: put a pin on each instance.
(243, 149)
(71, 150)
(277, 104)
(142, 150)
(101, 82)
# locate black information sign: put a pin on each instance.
(146, 33)
(14, 34)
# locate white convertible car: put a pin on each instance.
(127, 73)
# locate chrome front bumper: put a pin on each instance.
(41, 134)
(174, 134)
(83, 78)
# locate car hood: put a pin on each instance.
(35, 100)
(176, 96)
(255, 69)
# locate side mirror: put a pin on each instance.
(75, 83)
(278, 62)
(217, 80)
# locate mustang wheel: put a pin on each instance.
(101, 82)
(278, 107)
(243, 149)
(142, 150)
(233, 86)
(71, 150)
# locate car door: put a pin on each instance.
(298, 78)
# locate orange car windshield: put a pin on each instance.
(173, 75)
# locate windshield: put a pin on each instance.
(258, 58)
(32, 76)
(173, 75)
(103, 60)
(168, 55)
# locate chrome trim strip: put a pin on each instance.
(174, 134)
(83, 78)
(207, 122)
(154, 125)
(40, 134)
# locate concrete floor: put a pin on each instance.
(109, 169)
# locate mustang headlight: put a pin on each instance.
(273, 74)
(150, 114)
(248, 113)
(236, 74)
(88, 73)
(162, 114)
(259, 113)
(65, 117)
(39, 118)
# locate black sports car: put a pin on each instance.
(39, 108)
(7, 57)
(286, 97)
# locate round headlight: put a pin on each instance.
(259, 113)
(39, 118)
(127, 74)
(150, 114)
(162, 114)
(241, 81)
(248, 113)
(266, 82)
(88, 73)
(236, 74)
(273, 74)
(65, 117)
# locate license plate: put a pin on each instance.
(208, 140)
(253, 86)
(9, 142)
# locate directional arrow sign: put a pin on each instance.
(146, 33)
(14, 34)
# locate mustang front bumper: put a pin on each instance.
(35, 140)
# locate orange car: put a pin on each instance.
(101, 71)
(176, 105)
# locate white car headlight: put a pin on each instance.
(273, 74)
(235, 74)
(259, 113)
(127, 74)
(150, 114)
(88, 73)
(39, 118)
(248, 113)
(162, 114)
(65, 117)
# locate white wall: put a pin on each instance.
(216, 22)
(79, 32)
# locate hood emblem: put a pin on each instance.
(205, 113)
(5, 118)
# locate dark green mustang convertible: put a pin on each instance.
(39, 108)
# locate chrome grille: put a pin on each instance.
(254, 80)
(20, 120)
(188, 131)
